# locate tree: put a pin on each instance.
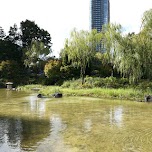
(14, 35)
(2, 33)
(67, 69)
(128, 61)
(145, 44)
(52, 70)
(36, 44)
(147, 21)
(11, 71)
(10, 51)
(131, 54)
(34, 52)
(81, 48)
(100, 66)
(28, 45)
(122, 52)
(30, 31)
(112, 35)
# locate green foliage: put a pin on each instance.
(121, 93)
(147, 20)
(100, 66)
(34, 52)
(36, 44)
(14, 35)
(80, 49)
(49, 90)
(72, 84)
(69, 72)
(127, 55)
(10, 51)
(52, 70)
(95, 82)
(31, 31)
(131, 54)
(128, 60)
(144, 85)
(11, 71)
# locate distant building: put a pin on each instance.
(100, 13)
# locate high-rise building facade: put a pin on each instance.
(100, 13)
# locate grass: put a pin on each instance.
(110, 87)
(120, 93)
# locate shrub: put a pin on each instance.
(95, 82)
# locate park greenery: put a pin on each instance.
(108, 59)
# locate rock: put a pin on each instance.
(39, 95)
(57, 95)
(148, 98)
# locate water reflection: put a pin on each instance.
(10, 134)
(8, 94)
(38, 106)
(55, 141)
(87, 125)
(72, 124)
(19, 134)
(116, 116)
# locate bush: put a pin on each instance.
(95, 82)
(144, 85)
(72, 84)
(2, 84)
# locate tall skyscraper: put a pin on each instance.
(100, 13)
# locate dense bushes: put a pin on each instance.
(93, 82)
(11, 70)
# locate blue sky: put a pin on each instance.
(59, 17)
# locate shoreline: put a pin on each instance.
(109, 93)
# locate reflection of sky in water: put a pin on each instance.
(116, 115)
(87, 125)
(38, 106)
(10, 136)
(54, 142)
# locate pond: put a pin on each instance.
(73, 124)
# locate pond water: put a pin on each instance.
(73, 124)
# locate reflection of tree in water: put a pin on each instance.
(3, 128)
(90, 124)
(10, 133)
(34, 131)
(14, 130)
(24, 133)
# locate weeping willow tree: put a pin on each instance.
(145, 44)
(81, 48)
(128, 59)
(131, 54)
(126, 56)
(111, 35)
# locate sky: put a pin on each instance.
(60, 17)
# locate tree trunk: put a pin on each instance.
(82, 79)
(82, 75)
